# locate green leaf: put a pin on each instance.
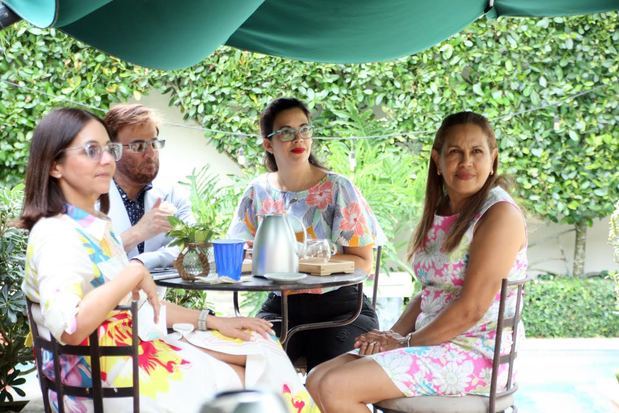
(477, 89)
(522, 74)
(573, 135)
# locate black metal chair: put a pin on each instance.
(379, 251)
(496, 400)
(97, 393)
(300, 364)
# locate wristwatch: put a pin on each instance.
(202, 325)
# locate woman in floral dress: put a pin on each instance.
(331, 208)
(77, 272)
(471, 236)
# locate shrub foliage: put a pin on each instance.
(571, 307)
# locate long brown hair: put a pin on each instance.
(267, 119)
(54, 133)
(435, 193)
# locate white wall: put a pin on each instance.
(551, 247)
(186, 147)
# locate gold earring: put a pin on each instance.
(438, 172)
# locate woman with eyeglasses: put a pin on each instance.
(77, 272)
(331, 208)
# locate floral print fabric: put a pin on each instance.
(462, 365)
(333, 209)
(71, 254)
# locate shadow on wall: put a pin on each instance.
(551, 248)
(187, 147)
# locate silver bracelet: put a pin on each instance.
(202, 320)
(408, 339)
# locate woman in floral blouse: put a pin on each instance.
(471, 236)
(77, 272)
(331, 208)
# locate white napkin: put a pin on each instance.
(216, 279)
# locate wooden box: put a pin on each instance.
(326, 268)
(315, 268)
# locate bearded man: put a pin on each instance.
(139, 209)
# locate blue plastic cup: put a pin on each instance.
(229, 257)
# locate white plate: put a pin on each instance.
(165, 276)
(175, 335)
(158, 270)
(183, 328)
(285, 276)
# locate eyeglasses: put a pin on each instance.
(289, 134)
(140, 146)
(94, 151)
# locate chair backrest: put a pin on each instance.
(379, 250)
(97, 393)
(474, 402)
(510, 322)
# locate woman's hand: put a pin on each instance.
(368, 343)
(249, 249)
(378, 341)
(97, 303)
(148, 286)
(240, 327)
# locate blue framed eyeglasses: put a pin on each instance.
(288, 134)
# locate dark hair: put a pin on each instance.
(435, 194)
(42, 194)
(267, 119)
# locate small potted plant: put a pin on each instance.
(192, 239)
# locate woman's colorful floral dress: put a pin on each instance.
(462, 365)
(333, 209)
(71, 254)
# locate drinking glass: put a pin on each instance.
(229, 257)
(319, 250)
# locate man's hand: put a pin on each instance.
(240, 327)
(153, 222)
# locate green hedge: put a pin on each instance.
(571, 307)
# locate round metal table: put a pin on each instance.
(257, 283)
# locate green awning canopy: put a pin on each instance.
(169, 34)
